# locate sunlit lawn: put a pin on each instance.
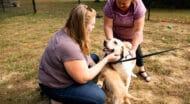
(24, 35)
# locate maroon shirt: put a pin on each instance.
(123, 23)
(60, 48)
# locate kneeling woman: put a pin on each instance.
(64, 72)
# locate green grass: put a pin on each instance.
(23, 37)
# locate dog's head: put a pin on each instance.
(117, 46)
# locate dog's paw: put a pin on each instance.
(134, 75)
(100, 84)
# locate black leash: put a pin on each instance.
(152, 54)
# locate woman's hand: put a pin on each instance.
(113, 57)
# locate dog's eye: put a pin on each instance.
(115, 42)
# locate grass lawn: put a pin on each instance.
(24, 35)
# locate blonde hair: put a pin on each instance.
(76, 24)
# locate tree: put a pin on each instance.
(96, 0)
(2, 5)
(34, 6)
(78, 1)
(148, 6)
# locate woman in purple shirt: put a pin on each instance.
(66, 69)
(124, 19)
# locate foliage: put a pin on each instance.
(177, 4)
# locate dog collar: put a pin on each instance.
(129, 54)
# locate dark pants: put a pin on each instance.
(88, 93)
(94, 57)
(139, 61)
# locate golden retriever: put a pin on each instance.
(117, 76)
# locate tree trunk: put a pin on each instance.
(149, 6)
(34, 6)
(96, 0)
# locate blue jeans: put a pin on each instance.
(88, 93)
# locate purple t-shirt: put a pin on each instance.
(60, 48)
(123, 23)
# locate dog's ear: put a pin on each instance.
(127, 44)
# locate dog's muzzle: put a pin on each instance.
(108, 51)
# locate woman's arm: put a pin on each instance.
(139, 26)
(79, 71)
(108, 25)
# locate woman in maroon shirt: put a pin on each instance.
(124, 19)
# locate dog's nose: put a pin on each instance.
(105, 43)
